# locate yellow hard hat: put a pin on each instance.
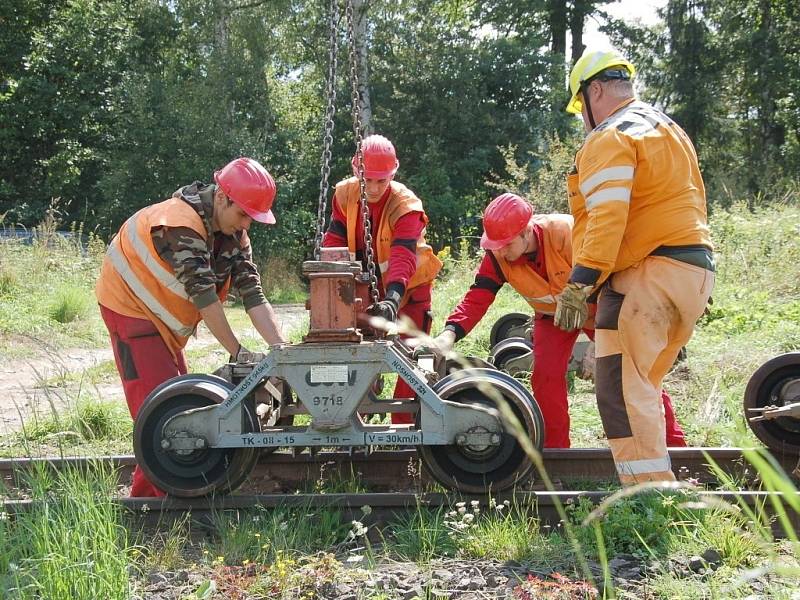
(590, 64)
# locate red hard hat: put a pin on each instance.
(503, 220)
(380, 159)
(250, 186)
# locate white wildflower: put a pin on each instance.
(358, 529)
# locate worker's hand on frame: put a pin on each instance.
(439, 346)
(571, 306)
(385, 309)
(246, 356)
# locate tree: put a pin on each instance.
(54, 114)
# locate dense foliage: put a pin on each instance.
(108, 105)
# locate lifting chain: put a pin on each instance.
(373, 280)
(327, 131)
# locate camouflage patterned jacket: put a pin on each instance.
(203, 267)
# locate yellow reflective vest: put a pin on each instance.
(134, 280)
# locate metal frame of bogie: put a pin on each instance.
(462, 441)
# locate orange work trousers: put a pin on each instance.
(645, 315)
(552, 348)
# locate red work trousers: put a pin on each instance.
(552, 348)
(418, 310)
(144, 362)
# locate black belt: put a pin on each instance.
(697, 255)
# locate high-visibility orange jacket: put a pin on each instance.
(134, 281)
(540, 292)
(635, 186)
(400, 202)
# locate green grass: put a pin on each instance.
(72, 544)
(282, 282)
(86, 426)
(70, 303)
(505, 531)
(69, 544)
(264, 535)
(421, 536)
(47, 292)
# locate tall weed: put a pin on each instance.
(263, 535)
(281, 281)
(9, 281)
(70, 543)
(69, 304)
(421, 535)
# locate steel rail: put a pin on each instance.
(384, 507)
(401, 470)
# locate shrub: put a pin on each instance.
(69, 304)
(281, 282)
(8, 281)
(95, 419)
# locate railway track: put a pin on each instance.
(384, 471)
(396, 474)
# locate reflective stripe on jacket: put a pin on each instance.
(401, 201)
(540, 293)
(635, 186)
(135, 281)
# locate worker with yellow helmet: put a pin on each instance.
(641, 241)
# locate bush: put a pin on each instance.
(95, 419)
(281, 281)
(69, 304)
(8, 281)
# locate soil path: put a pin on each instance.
(33, 387)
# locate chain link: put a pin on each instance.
(357, 127)
(327, 130)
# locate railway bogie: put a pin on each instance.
(201, 434)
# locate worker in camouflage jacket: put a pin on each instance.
(171, 266)
(641, 238)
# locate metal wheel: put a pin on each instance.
(505, 353)
(775, 383)
(479, 470)
(511, 325)
(183, 473)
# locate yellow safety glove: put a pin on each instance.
(571, 306)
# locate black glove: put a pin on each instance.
(386, 308)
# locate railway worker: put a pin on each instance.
(170, 266)
(533, 253)
(641, 238)
(405, 264)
